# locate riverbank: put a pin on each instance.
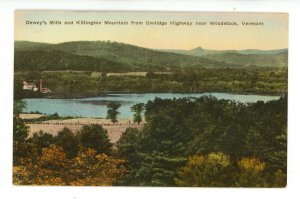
(105, 93)
(97, 107)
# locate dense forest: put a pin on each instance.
(184, 142)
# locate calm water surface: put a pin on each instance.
(96, 106)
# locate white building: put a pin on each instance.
(29, 86)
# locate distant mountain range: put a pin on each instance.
(202, 52)
(271, 58)
(119, 57)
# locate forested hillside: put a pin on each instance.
(102, 56)
(41, 60)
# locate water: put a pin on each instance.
(96, 106)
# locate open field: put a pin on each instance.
(30, 116)
(54, 126)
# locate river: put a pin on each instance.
(96, 106)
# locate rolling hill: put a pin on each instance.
(28, 45)
(39, 60)
(120, 57)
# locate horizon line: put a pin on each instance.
(285, 48)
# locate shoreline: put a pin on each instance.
(105, 93)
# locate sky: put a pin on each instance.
(272, 35)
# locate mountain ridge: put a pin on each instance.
(130, 57)
(199, 51)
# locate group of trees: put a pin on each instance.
(80, 158)
(208, 142)
(184, 142)
(137, 109)
(53, 167)
(217, 170)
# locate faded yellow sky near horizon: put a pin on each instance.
(273, 34)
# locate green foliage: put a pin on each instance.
(112, 111)
(156, 169)
(20, 133)
(54, 116)
(19, 105)
(127, 144)
(280, 179)
(176, 147)
(68, 141)
(95, 137)
(19, 93)
(188, 80)
(236, 71)
(41, 140)
(179, 128)
(40, 60)
(20, 130)
(127, 149)
(137, 109)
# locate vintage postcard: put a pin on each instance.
(168, 99)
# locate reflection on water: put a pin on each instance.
(96, 106)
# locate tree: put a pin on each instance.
(205, 171)
(128, 148)
(19, 106)
(103, 75)
(33, 76)
(92, 169)
(253, 135)
(178, 128)
(127, 144)
(68, 141)
(53, 157)
(279, 179)
(41, 140)
(251, 173)
(95, 137)
(20, 133)
(112, 111)
(137, 109)
(53, 168)
(253, 79)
